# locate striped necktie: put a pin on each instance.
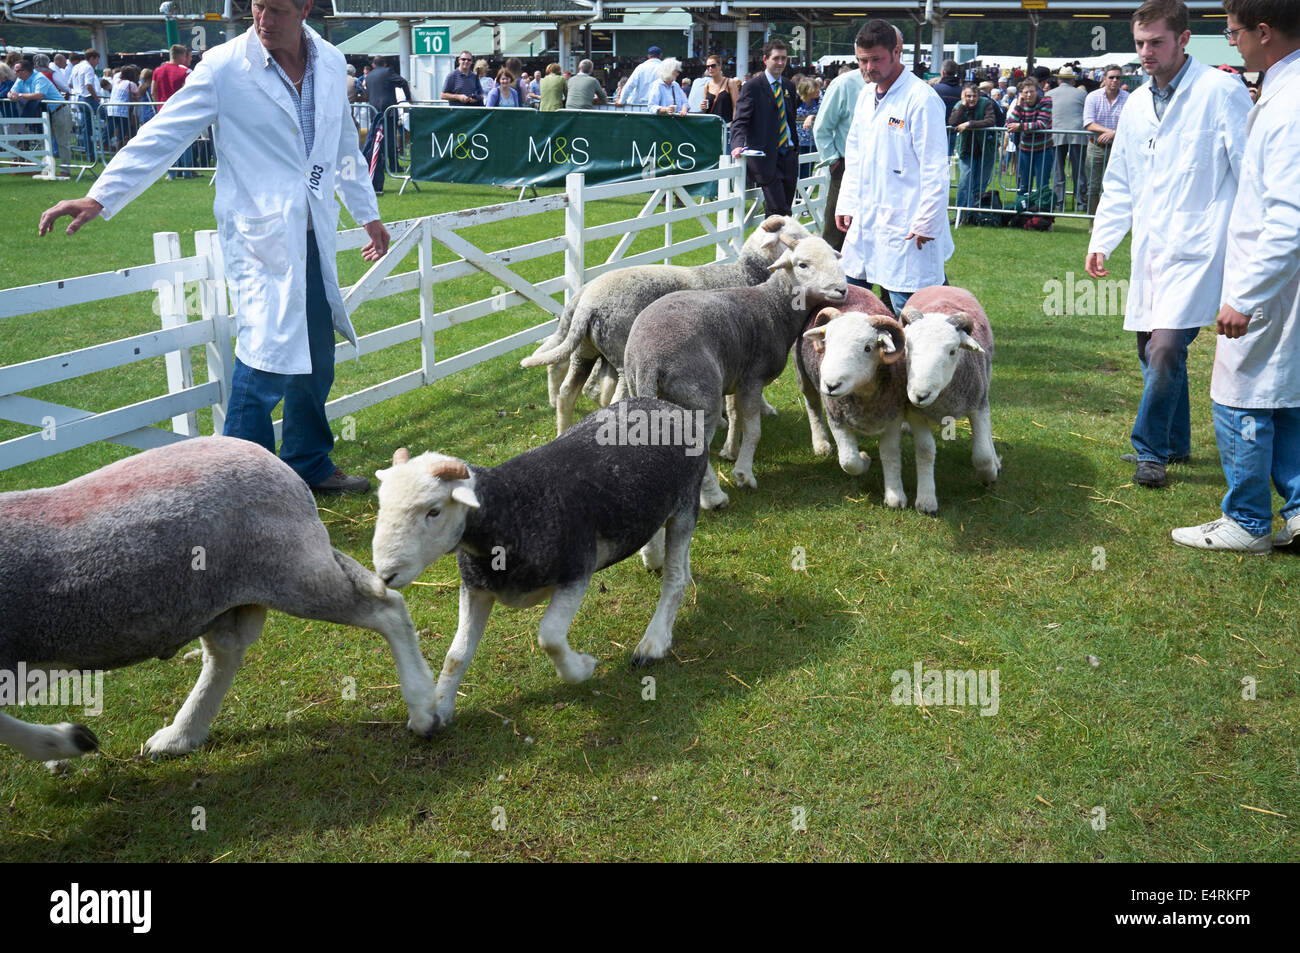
(783, 136)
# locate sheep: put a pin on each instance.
(196, 539)
(850, 362)
(596, 323)
(694, 347)
(539, 526)
(949, 344)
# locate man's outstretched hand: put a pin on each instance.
(379, 239)
(81, 210)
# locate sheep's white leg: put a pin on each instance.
(768, 409)
(711, 495)
(749, 405)
(891, 463)
(567, 399)
(571, 666)
(223, 652)
(677, 576)
(852, 460)
(923, 440)
(475, 607)
(47, 742)
(987, 464)
(821, 437)
(731, 446)
(390, 618)
(608, 386)
(620, 390)
(554, 378)
(652, 553)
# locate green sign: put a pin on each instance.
(431, 40)
(518, 147)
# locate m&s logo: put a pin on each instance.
(559, 150)
(460, 145)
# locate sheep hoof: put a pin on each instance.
(728, 452)
(896, 501)
(856, 466)
(769, 411)
(435, 726)
(84, 739)
(821, 448)
(928, 507)
(744, 478)
(716, 503)
(581, 669)
(170, 741)
(641, 661)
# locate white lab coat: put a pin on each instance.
(263, 190)
(1172, 182)
(1262, 272)
(896, 182)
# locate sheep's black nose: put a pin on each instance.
(920, 398)
(388, 580)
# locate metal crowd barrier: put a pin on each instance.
(397, 138)
(119, 122)
(1000, 172)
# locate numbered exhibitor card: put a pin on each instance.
(518, 147)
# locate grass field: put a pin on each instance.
(771, 734)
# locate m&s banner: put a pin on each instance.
(517, 147)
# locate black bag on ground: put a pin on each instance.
(990, 200)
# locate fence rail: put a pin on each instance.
(61, 428)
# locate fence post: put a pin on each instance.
(216, 308)
(428, 354)
(51, 165)
(668, 226)
(574, 217)
(171, 306)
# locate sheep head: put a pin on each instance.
(934, 345)
(815, 274)
(776, 231)
(423, 505)
(853, 347)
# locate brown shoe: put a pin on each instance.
(340, 482)
(1152, 474)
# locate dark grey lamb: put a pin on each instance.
(539, 526)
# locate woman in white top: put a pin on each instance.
(666, 97)
(485, 82)
(125, 90)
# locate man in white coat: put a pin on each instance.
(638, 86)
(1172, 177)
(1256, 384)
(276, 97)
(893, 202)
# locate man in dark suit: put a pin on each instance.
(765, 121)
(381, 83)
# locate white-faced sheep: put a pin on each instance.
(949, 367)
(193, 540)
(694, 347)
(538, 527)
(850, 362)
(596, 323)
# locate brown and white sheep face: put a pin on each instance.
(934, 345)
(775, 234)
(816, 275)
(423, 505)
(852, 347)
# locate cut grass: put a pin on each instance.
(778, 694)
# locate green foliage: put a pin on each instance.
(778, 692)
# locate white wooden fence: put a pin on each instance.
(63, 428)
(27, 145)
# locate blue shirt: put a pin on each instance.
(661, 95)
(305, 103)
(466, 85)
(38, 82)
(1160, 97)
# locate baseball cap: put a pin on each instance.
(654, 51)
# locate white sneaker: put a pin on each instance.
(1225, 533)
(1288, 533)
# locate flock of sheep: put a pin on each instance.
(201, 538)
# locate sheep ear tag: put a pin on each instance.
(464, 493)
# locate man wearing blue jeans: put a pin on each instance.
(1256, 385)
(1176, 201)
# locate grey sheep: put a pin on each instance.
(539, 526)
(193, 540)
(694, 347)
(596, 323)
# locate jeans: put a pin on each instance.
(1163, 429)
(1254, 445)
(307, 438)
(975, 174)
(1033, 170)
(1072, 153)
(87, 117)
(1098, 157)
